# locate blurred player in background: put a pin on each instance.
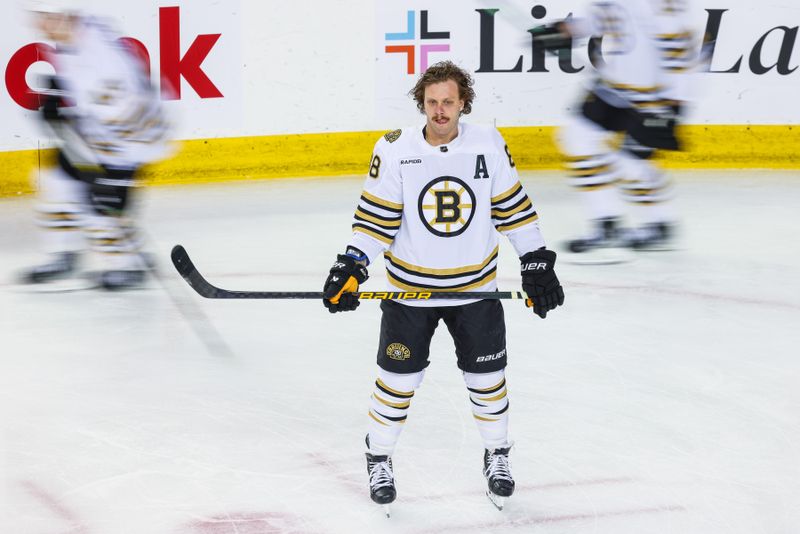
(639, 91)
(108, 122)
(435, 201)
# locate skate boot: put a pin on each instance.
(606, 233)
(607, 243)
(381, 479)
(497, 471)
(120, 280)
(62, 266)
(653, 236)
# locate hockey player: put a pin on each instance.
(108, 122)
(639, 91)
(435, 198)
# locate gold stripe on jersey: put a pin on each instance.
(383, 222)
(527, 219)
(674, 36)
(504, 214)
(634, 88)
(502, 197)
(481, 418)
(373, 233)
(466, 286)
(391, 206)
(429, 271)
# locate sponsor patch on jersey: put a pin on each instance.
(393, 135)
(398, 351)
(446, 206)
(415, 161)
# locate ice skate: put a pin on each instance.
(381, 480)
(606, 244)
(122, 279)
(497, 471)
(58, 275)
(62, 266)
(653, 237)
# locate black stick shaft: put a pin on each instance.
(184, 265)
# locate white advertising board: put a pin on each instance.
(248, 68)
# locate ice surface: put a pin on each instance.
(662, 398)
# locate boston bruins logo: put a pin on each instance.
(398, 351)
(446, 206)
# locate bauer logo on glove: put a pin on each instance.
(540, 282)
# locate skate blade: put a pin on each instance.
(599, 256)
(387, 510)
(663, 247)
(496, 500)
(65, 285)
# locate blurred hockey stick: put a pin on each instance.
(198, 321)
(193, 277)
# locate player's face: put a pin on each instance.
(442, 109)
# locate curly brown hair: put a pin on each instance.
(441, 72)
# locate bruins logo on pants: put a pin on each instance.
(446, 206)
(398, 351)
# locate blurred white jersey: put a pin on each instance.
(111, 104)
(435, 211)
(647, 46)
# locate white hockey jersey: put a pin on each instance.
(647, 47)
(435, 211)
(115, 115)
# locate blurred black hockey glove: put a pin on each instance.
(108, 192)
(552, 37)
(348, 271)
(540, 282)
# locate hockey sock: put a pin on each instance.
(388, 408)
(489, 401)
(648, 189)
(113, 238)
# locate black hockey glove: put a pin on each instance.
(552, 37)
(540, 282)
(348, 271)
(109, 192)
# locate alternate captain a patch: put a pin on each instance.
(393, 135)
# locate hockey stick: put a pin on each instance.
(193, 277)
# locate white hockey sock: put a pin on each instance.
(489, 401)
(61, 212)
(388, 407)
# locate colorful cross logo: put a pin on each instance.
(410, 49)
